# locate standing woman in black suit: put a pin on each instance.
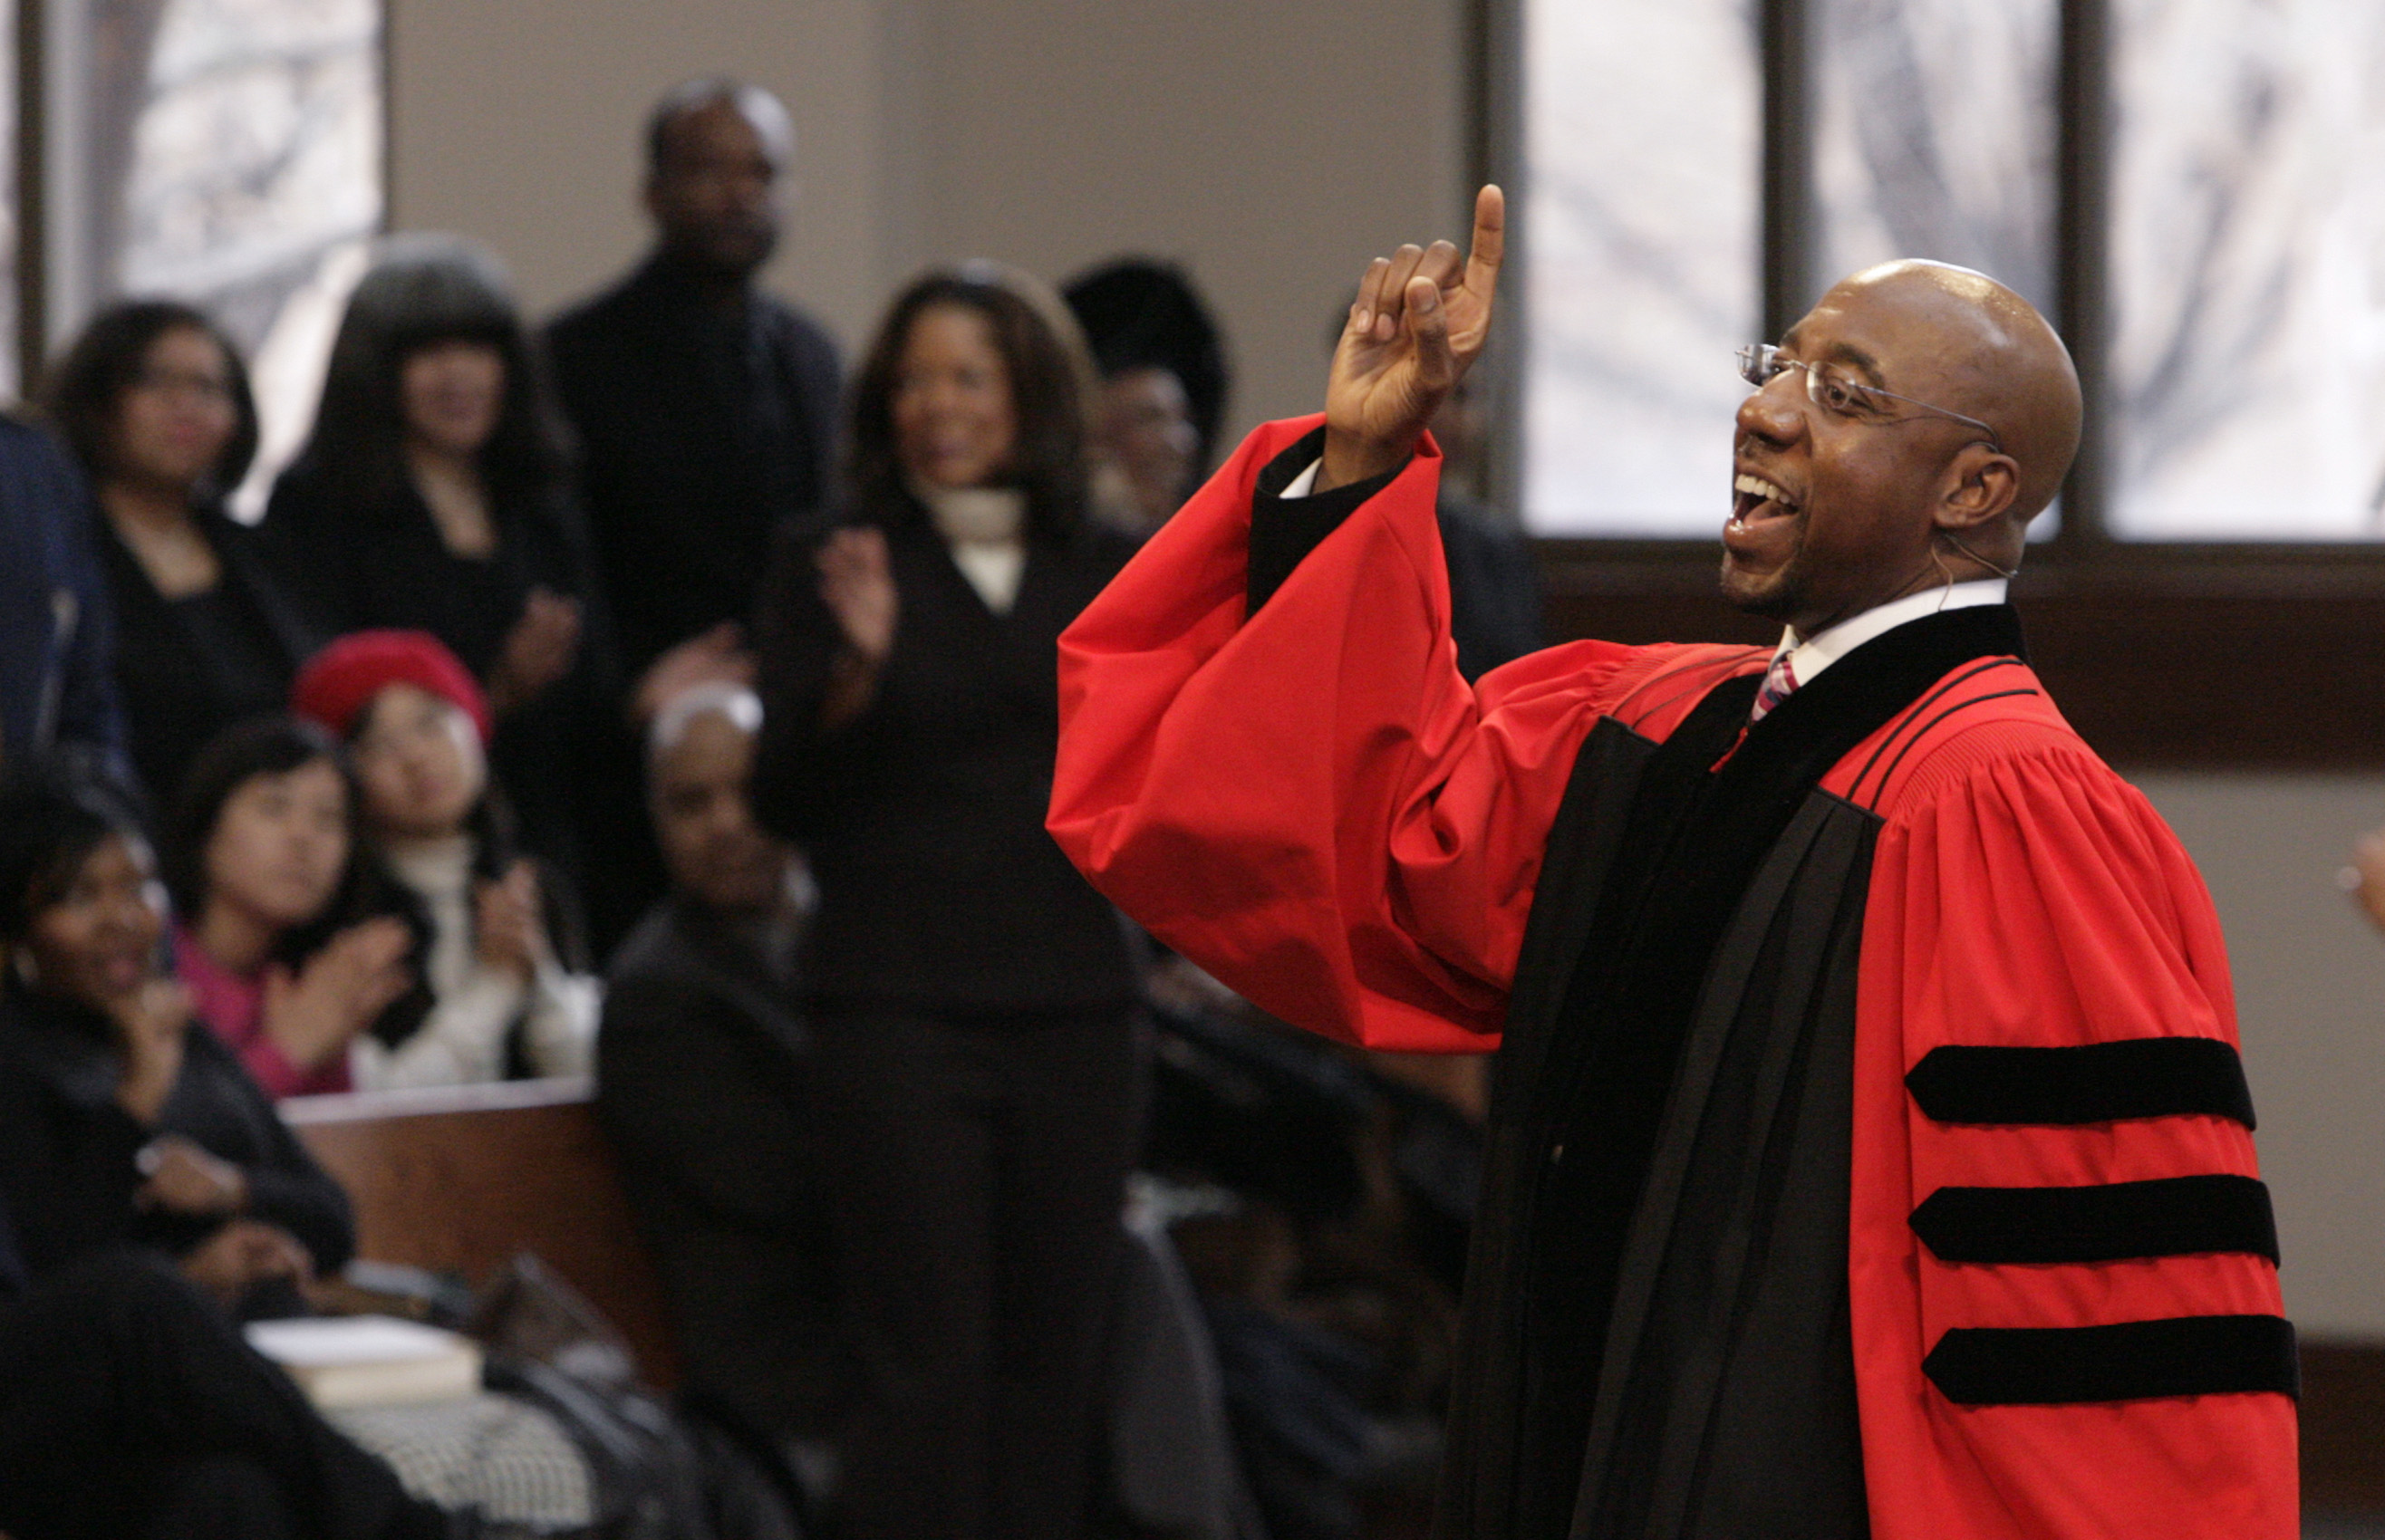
(155, 403)
(434, 494)
(971, 994)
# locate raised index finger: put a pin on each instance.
(1489, 237)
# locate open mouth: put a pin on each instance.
(1755, 499)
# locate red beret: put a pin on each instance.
(344, 677)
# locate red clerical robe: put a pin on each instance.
(1964, 993)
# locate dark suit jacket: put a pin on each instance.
(700, 434)
(924, 817)
(67, 1149)
(57, 635)
(188, 668)
(1494, 586)
(702, 1087)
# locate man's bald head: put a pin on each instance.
(1918, 416)
(2002, 363)
(716, 153)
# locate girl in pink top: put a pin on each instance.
(273, 941)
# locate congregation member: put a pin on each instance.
(703, 1082)
(1163, 381)
(123, 1122)
(154, 401)
(1870, 1153)
(1495, 580)
(434, 494)
(969, 996)
(505, 992)
(130, 1410)
(706, 408)
(57, 644)
(277, 939)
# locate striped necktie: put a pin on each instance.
(1780, 683)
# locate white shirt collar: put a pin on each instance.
(1807, 658)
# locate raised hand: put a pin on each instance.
(538, 650)
(1416, 326)
(859, 590)
(149, 1026)
(715, 657)
(509, 927)
(314, 1014)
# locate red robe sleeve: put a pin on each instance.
(1314, 805)
(2023, 896)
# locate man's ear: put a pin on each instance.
(1980, 488)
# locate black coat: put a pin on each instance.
(703, 1088)
(701, 435)
(188, 668)
(57, 633)
(924, 817)
(350, 565)
(1494, 586)
(67, 1149)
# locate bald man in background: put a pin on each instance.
(703, 1086)
(706, 412)
(1870, 1155)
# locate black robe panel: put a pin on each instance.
(1658, 1340)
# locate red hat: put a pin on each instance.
(346, 676)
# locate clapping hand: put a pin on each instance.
(859, 590)
(1416, 326)
(538, 650)
(312, 1015)
(508, 923)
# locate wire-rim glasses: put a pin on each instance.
(1835, 392)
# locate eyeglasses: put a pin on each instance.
(1835, 392)
(208, 388)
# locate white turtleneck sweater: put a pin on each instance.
(986, 529)
(463, 1039)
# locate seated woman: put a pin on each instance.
(154, 403)
(433, 494)
(502, 998)
(122, 1121)
(276, 943)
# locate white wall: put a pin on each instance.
(1272, 147)
(2310, 993)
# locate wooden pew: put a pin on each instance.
(459, 1179)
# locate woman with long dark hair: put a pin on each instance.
(122, 1120)
(971, 994)
(280, 940)
(434, 495)
(154, 401)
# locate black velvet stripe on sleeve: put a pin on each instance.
(2177, 1216)
(2134, 1077)
(2193, 1355)
(1284, 530)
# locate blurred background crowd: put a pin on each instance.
(650, 693)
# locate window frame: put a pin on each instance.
(2246, 655)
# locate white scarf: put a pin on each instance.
(985, 527)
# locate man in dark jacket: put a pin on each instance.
(702, 1083)
(57, 687)
(706, 408)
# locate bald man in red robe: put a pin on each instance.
(1869, 1153)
